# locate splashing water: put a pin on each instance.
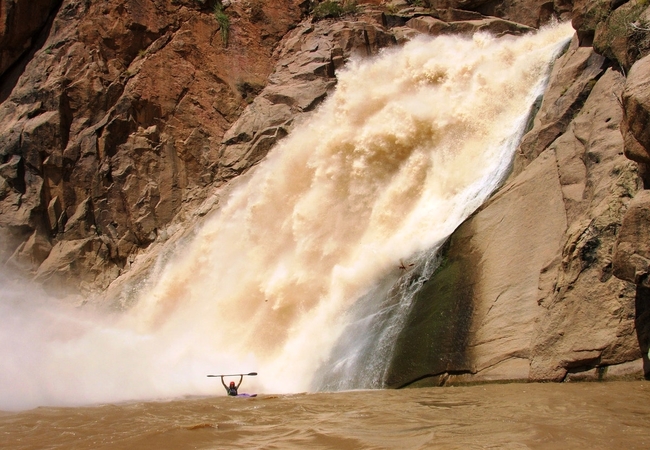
(408, 146)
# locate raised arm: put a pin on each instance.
(241, 377)
(224, 383)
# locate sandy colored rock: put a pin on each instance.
(571, 81)
(428, 25)
(631, 259)
(306, 71)
(588, 319)
(530, 13)
(636, 109)
(492, 25)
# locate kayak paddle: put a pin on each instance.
(252, 374)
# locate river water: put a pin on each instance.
(610, 415)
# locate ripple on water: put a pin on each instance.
(609, 415)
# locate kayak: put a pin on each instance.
(246, 395)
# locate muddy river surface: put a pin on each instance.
(612, 415)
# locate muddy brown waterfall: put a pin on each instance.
(380, 173)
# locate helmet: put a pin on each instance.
(232, 384)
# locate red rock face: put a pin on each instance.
(129, 109)
(121, 113)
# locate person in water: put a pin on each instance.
(232, 389)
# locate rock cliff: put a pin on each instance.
(546, 281)
(122, 121)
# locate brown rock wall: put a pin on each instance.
(307, 64)
(122, 110)
(530, 13)
(575, 74)
(624, 35)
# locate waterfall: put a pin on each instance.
(482, 153)
(297, 275)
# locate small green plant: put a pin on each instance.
(331, 9)
(391, 8)
(223, 20)
(349, 7)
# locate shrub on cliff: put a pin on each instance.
(224, 21)
(331, 8)
(625, 35)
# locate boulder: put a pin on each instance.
(585, 17)
(428, 25)
(492, 25)
(533, 13)
(636, 110)
(631, 259)
(624, 34)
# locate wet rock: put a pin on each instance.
(428, 25)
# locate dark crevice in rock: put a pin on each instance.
(65, 119)
(642, 324)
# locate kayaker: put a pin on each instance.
(232, 389)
